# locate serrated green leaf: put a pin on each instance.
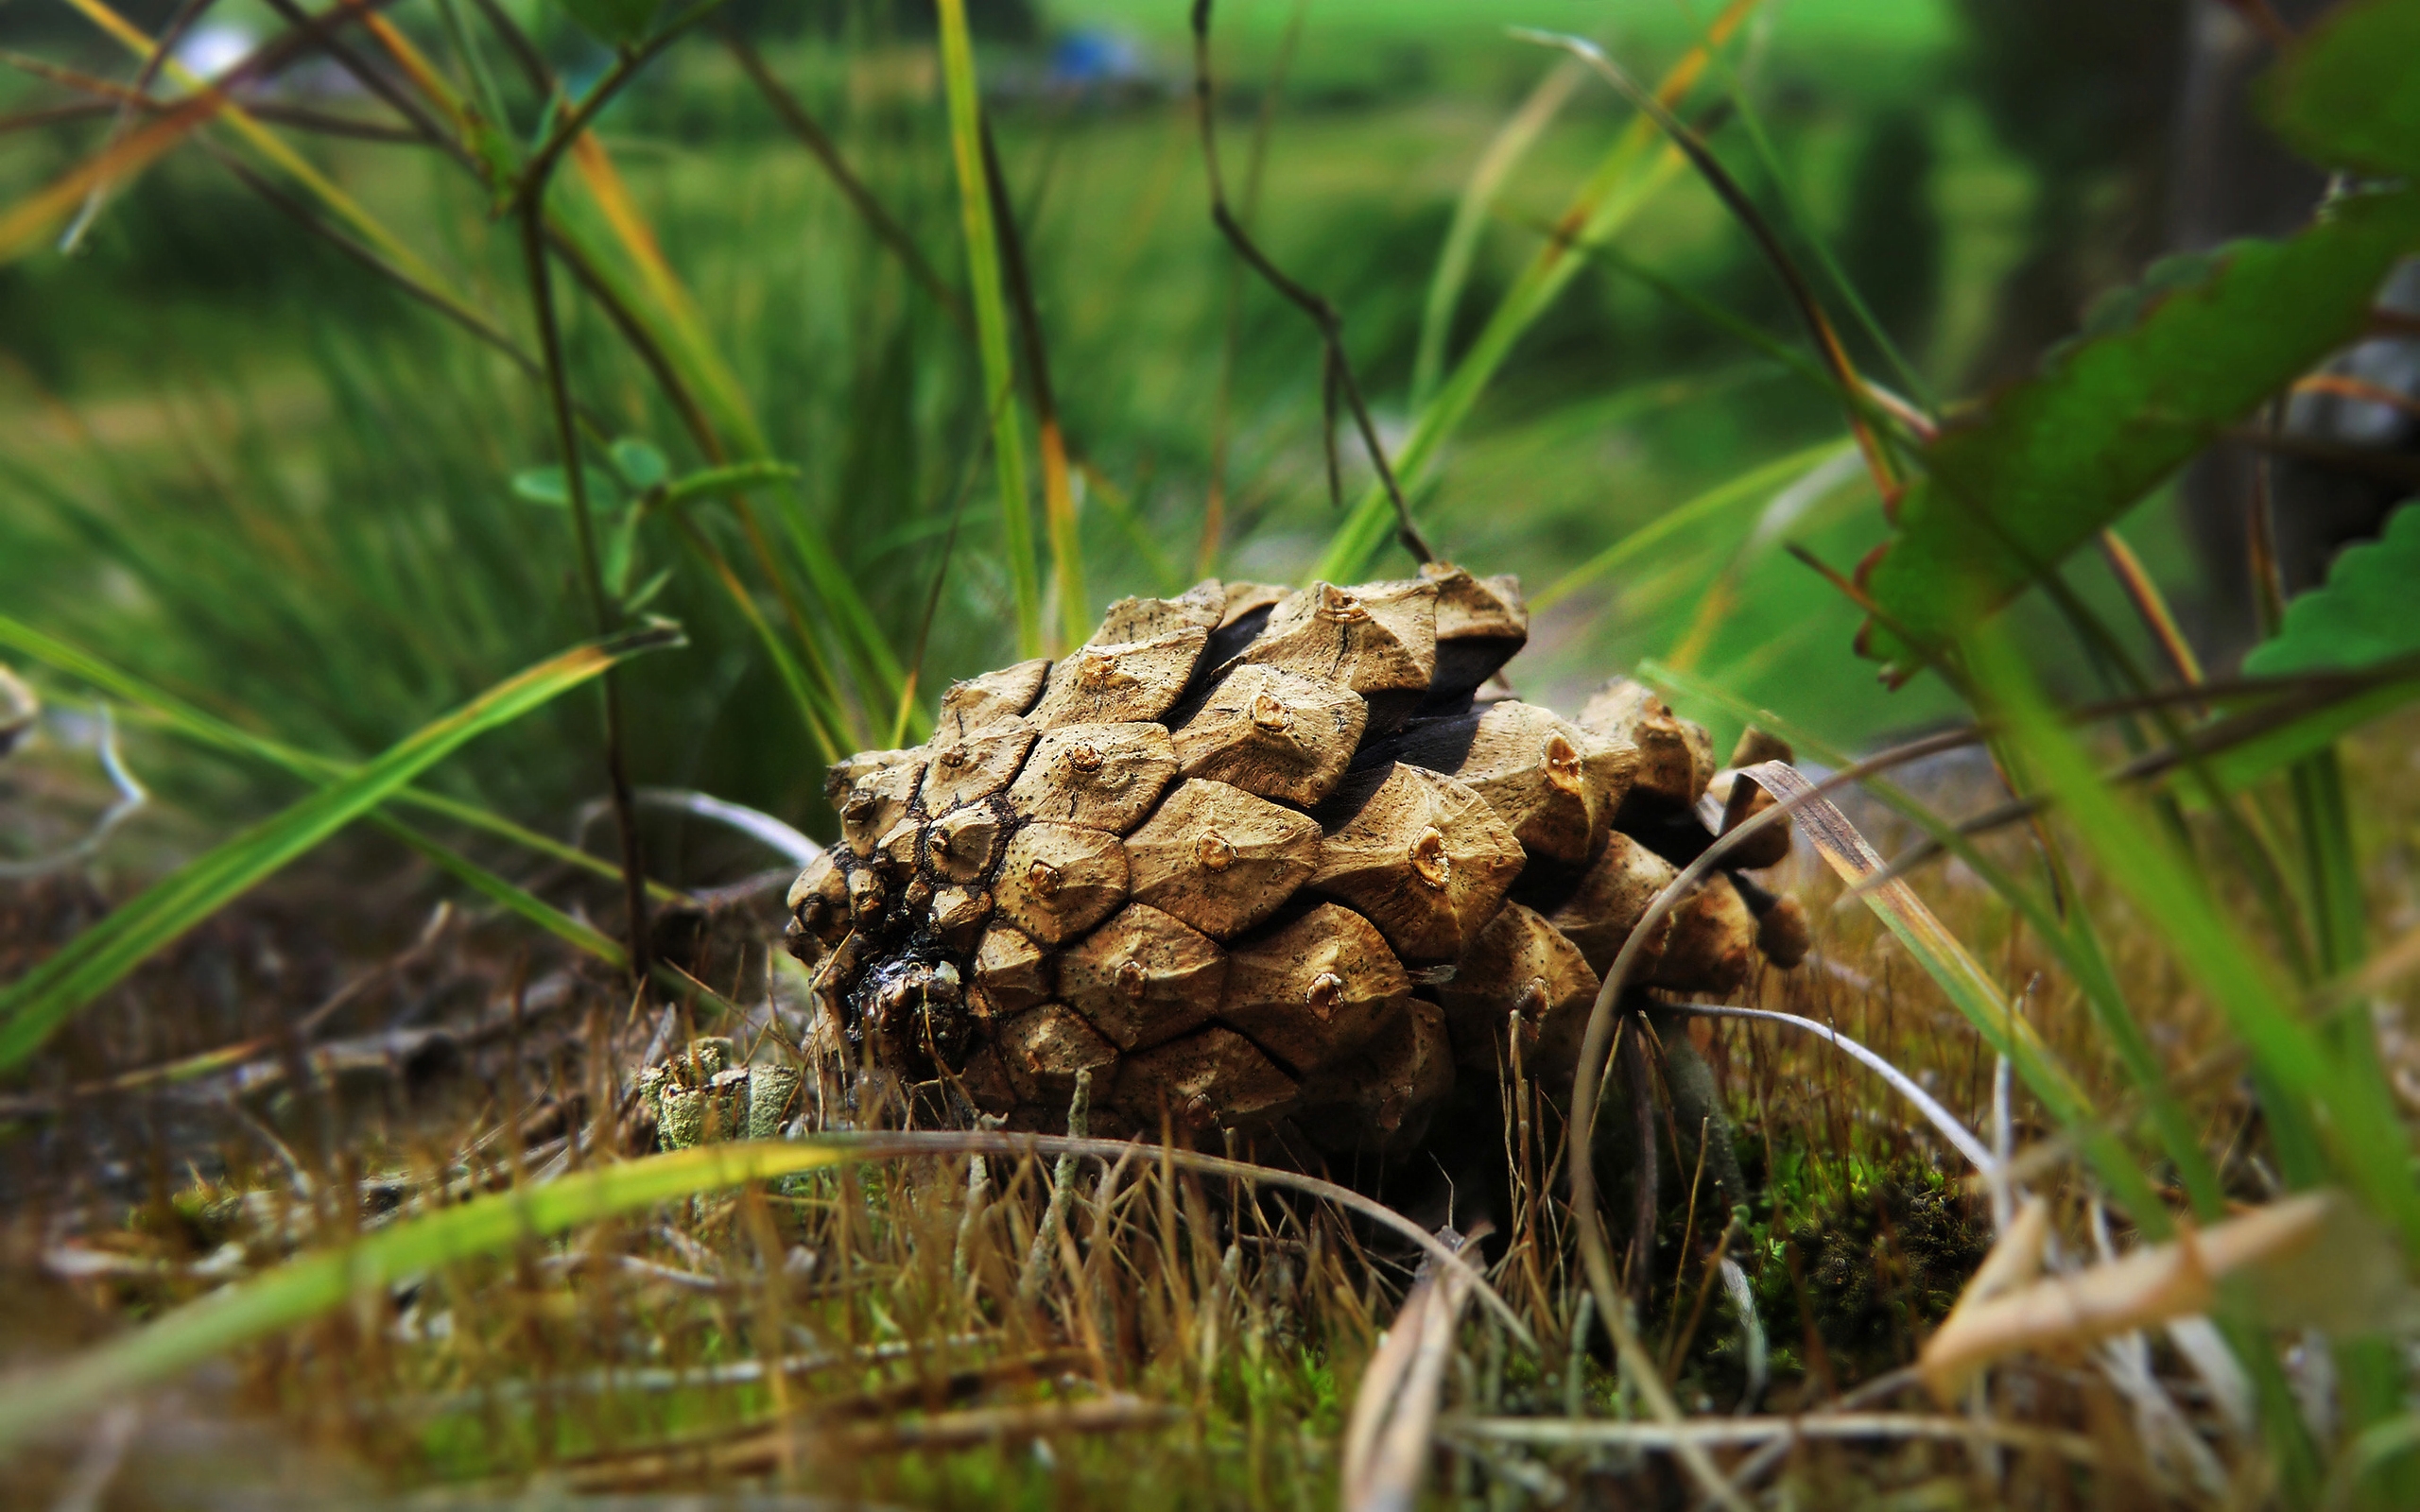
(2018, 482)
(2361, 617)
(2347, 94)
(620, 21)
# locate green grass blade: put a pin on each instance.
(681, 341)
(46, 997)
(306, 1287)
(1512, 143)
(1749, 487)
(207, 729)
(1628, 175)
(517, 899)
(991, 321)
(723, 479)
(2310, 1087)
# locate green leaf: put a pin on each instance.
(985, 280)
(642, 466)
(551, 487)
(2362, 617)
(2035, 472)
(2347, 94)
(620, 21)
(39, 1002)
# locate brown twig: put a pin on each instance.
(1337, 371)
(628, 61)
(375, 82)
(558, 384)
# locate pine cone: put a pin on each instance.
(1252, 855)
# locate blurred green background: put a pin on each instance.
(238, 463)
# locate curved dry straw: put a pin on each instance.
(1596, 1051)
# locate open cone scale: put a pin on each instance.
(1251, 857)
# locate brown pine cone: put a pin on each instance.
(1252, 855)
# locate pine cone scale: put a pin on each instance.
(1210, 858)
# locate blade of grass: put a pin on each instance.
(663, 303)
(517, 899)
(1849, 387)
(2333, 1097)
(820, 145)
(267, 143)
(1630, 173)
(1753, 485)
(1802, 224)
(322, 1281)
(991, 321)
(36, 1003)
(206, 729)
(537, 911)
(1505, 150)
(660, 321)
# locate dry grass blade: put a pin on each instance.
(2152, 1285)
(1387, 1440)
(767, 1449)
(1940, 952)
(211, 100)
(1595, 1053)
(1705, 1433)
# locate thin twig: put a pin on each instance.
(1214, 509)
(179, 24)
(1338, 367)
(605, 613)
(531, 185)
(376, 82)
(1702, 1431)
(1743, 208)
